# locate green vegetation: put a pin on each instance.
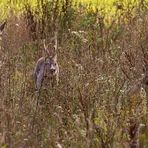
(101, 99)
(107, 5)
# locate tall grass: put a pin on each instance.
(108, 6)
(101, 58)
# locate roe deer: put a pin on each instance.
(47, 68)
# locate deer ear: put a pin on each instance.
(46, 48)
(55, 57)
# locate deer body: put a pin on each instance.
(46, 69)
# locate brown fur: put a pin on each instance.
(47, 69)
